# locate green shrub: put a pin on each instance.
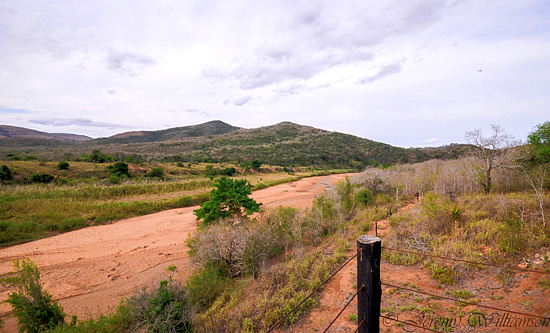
(163, 309)
(119, 169)
(63, 165)
(5, 173)
(156, 173)
(205, 285)
(364, 197)
(42, 178)
(33, 306)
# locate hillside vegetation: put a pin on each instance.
(285, 144)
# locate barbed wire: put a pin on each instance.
(464, 302)
(313, 292)
(359, 325)
(466, 261)
(345, 306)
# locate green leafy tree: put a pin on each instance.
(536, 166)
(228, 198)
(229, 172)
(364, 197)
(33, 306)
(256, 164)
(119, 169)
(539, 140)
(5, 173)
(156, 173)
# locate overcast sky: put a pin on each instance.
(403, 72)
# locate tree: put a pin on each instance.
(256, 164)
(5, 173)
(539, 140)
(119, 169)
(156, 173)
(228, 198)
(63, 165)
(492, 152)
(42, 178)
(536, 166)
(32, 305)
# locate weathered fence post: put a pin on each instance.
(368, 275)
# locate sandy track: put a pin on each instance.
(89, 270)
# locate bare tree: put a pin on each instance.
(492, 152)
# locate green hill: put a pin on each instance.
(284, 144)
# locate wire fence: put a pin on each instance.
(313, 293)
(393, 318)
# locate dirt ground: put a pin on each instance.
(91, 269)
(521, 292)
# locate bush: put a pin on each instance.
(364, 197)
(229, 172)
(119, 169)
(63, 165)
(33, 306)
(5, 173)
(156, 173)
(165, 308)
(206, 284)
(42, 178)
(239, 248)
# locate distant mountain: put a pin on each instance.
(284, 144)
(210, 128)
(13, 132)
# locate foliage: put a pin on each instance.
(63, 165)
(345, 192)
(119, 169)
(165, 308)
(5, 173)
(229, 172)
(156, 173)
(239, 249)
(42, 178)
(206, 284)
(364, 197)
(227, 199)
(32, 305)
(539, 140)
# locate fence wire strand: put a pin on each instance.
(464, 302)
(314, 291)
(466, 261)
(345, 306)
(358, 326)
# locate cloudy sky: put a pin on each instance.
(407, 73)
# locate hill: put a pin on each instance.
(16, 133)
(210, 128)
(284, 144)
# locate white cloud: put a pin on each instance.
(93, 65)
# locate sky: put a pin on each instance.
(408, 73)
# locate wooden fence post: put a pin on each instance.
(368, 275)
